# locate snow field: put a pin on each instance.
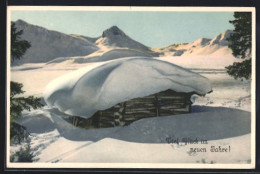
(116, 151)
(48, 143)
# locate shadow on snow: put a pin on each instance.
(203, 123)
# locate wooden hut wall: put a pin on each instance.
(161, 104)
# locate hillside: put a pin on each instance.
(47, 45)
(55, 47)
(114, 37)
(202, 46)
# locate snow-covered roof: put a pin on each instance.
(90, 89)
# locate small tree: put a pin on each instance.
(18, 104)
(240, 44)
(24, 154)
(18, 46)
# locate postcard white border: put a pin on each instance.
(135, 165)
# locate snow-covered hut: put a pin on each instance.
(123, 91)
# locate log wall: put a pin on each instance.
(161, 104)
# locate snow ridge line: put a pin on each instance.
(61, 156)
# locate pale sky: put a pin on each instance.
(153, 29)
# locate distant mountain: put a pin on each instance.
(113, 44)
(202, 46)
(221, 39)
(200, 42)
(90, 39)
(114, 37)
(52, 46)
(47, 45)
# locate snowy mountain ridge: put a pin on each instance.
(201, 42)
(48, 45)
(117, 38)
(221, 39)
(202, 46)
(113, 31)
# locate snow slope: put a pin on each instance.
(149, 140)
(47, 45)
(114, 37)
(101, 55)
(217, 46)
(55, 142)
(118, 81)
(204, 123)
(202, 61)
(141, 155)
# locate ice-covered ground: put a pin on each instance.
(221, 117)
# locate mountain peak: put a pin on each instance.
(201, 41)
(20, 22)
(115, 37)
(221, 39)
(229, 31)
(112, 31)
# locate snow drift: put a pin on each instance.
(87, 90)
(103, 56)
(143, 139)
(204, 123)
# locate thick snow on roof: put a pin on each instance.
(88, 90)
